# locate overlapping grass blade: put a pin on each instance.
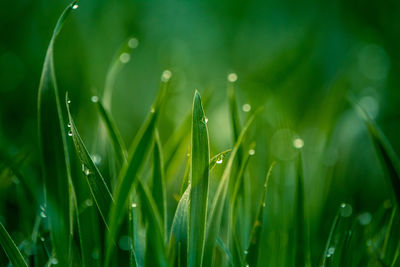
(11, 249)
(251, 257)
(155, 254)
(388, 156)
(116, 139)
(128, 174)
(199, 183)
(54, 153)
(215, 214)
(158, 187)
(178, 241)
(98, 187)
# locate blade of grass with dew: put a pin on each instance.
(251, 257)
(116, 139)
(387, 155)
(155, 253)
(128, 174)
(158, 187)
(217, 159)
(54, 153)
(98, 187)
(11, 249)
(178, 241)
(199, 183)
(214, 217)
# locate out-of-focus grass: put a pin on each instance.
(165, 202)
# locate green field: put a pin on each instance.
(199, 133)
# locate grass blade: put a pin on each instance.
(128, 175)
(199, 183)
(217, 159)
(251, 257)
(236, 128)
(54, 153)
(98, 187)
(214, 218)
(11, 249)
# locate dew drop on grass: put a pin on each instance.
(42, 239)
(43, 214)
(330, 252)
(246, 107)
(298, 143)
(94, 99)
(96, 159)
(133, 43)
(53, 261)
(69, 125)
(204, 120)
(263, 204)
(134, 205)
(245, 252)
(125, 242)
(69, 101)
(232, 77)
(346, 210)
(85, 169)
(89, 202)
(219, 161)
(70, 133)
(125, 57)
(252, 152)
(75, 6)
(364, 218)
(95, 254)
(166, 75)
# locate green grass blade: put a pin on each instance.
(128, 174)
(116, 139)
(98, 187)
(214, 218)
(233, 111)
(199, 183)
(54, 153)
(217, 159)
(11, 249)
(159, 187)
(155, 254)
(389, 159)
(251, 257)
(178, 241)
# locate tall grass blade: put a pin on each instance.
(98, 187)
(199, 183)
(54, 153)
(233, 111)
(251, 255)
(11, 249)
(215, 214)
(128, 174)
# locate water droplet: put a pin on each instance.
(252, 152)
(94, 99)
(69, 101)
(246, 107)
(133, 43)
(245, 252)
(152, 110)
(43, 214)
(89, 202)
(219, 160)
(96, 159)
(166, 75)
(364, 218)
(247, 265)
(75, 6)
(125, 57)
(70, 133)
(125, 242)
(85, 169)
(346, 210)
(69, 125)
(95, 254)
(370, 105)
(54, 261)
(205, 120)
(42, 239)
(331, 251)
(264, 204)
(232, 77)
(134, 205)
(298, 143)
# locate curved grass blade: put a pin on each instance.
(155, 254)
(214, 218)
(251, 257)
(11, 249)
(387, 155)
(178, 241)
(158, 188)
(54, 153)
(217, 159)
(199, 183)
(128, 174)
(116, 139)
(98, 187)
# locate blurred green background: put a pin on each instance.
(298, 59)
